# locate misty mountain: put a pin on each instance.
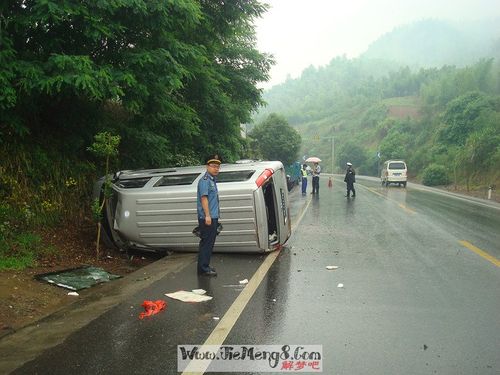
(433, 43)
(357, 109)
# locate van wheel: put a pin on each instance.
(106, 236)
(404, 184)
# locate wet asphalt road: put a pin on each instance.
(415, 299)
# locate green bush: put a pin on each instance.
(434, 175)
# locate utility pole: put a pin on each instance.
(333, 152)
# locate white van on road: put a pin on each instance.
(394, 172)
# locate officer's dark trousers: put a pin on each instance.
(304, 185)
(208, 233)
(315, 184)
(350, 187)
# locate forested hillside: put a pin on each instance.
(445, 122)
(173, 79)
(398, 100)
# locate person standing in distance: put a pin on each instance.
(208, 214)
(350, 179)
(303, 172)
(316, 170)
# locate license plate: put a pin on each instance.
(397, 174)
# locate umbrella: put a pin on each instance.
(313, 159)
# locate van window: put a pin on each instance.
(234, 176)
(177, 179)
(397, 166)
(132, 183)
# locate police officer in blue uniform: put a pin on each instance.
(208, 214)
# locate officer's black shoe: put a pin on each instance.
(208, 273)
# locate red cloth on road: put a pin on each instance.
(152, 308)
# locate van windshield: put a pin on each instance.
(234, 176)
(397, 166)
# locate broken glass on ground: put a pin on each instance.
(77, 278)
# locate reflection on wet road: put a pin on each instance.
(415, 300)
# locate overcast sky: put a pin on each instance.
(303, 32)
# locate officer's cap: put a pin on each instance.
(349, 163)
(214, 158)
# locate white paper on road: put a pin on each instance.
(185, 296)
(244, 281)
(332, 267)
(340, 285)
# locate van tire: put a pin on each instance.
(106, 240)
(404, 184)
(106, 236)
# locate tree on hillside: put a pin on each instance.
(351, 151)
(163, 74)
(461, 115)
(274, 139)
(394, 146)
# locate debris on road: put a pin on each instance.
(73, 294)
(215, 318)
(77, 278)
(199, 291)
(340, 285)
(244, 281)
(152, 308)
(332, 267)
(185, 296)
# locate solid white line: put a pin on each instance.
(222, 330)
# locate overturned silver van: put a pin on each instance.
(156, 209)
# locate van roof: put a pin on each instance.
(140, 173)
(182, 177)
